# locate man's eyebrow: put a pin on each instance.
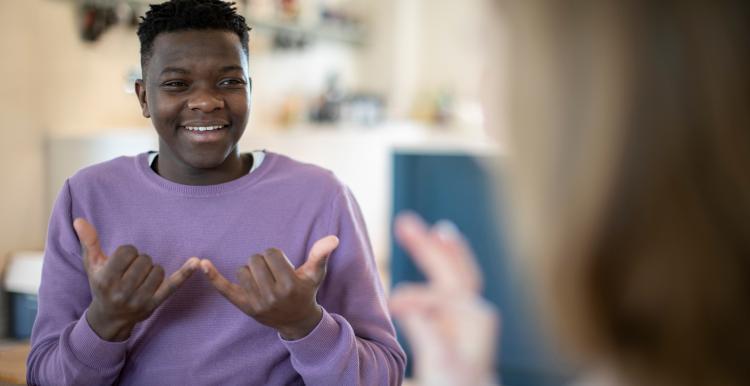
(174, 69)
(232, 68)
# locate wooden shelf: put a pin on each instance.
(328, 31)
(333, 32)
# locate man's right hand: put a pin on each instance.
(125, 287)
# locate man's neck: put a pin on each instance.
(235, 166)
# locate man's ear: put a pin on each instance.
(140, 92)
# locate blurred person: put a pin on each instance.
(307, 307)
(629, 143)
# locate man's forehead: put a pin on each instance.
(204, 45)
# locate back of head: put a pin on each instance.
(184, 15)
(631, 141)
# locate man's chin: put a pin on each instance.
(206, 163)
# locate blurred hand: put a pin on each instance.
(125, 287)
(451, 329)
(272, 292)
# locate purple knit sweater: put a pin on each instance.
(197, 337)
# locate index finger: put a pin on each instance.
(175, 280)
(444, 267)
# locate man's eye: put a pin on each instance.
(174, 84)
(232, 82)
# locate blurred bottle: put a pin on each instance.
(327, 109)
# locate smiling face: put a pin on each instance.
(196, 90)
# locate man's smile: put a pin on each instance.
(204, 132)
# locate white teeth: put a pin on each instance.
(203, 128)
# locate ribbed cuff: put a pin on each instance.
(92, 350)
(318, 344)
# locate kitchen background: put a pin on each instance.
(321, 70)
(386, 93)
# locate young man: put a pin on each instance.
(107, 314)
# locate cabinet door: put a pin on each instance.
(459, 188)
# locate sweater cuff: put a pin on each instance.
(319, 344)
(92, 350)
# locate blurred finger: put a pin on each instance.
(175, 280)
(478, 330)
(407, 298)
(458, 250)
(428, 254)
(428, 345)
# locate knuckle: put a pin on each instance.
(97, 282)
(118, 299)
(150, 305)
(273, 251)
(271, 299)
(286, 289)
(252, 311)
(134, 303)
(126, 250)
(146, 258)
(262, 308)
(158, 270)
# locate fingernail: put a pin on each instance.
(408, 222)
(446, 229)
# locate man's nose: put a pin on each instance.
(205, 101)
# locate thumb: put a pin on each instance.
(90, 247)
(315, 267)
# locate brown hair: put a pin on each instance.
(631, 144)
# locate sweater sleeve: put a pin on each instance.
(64, 348)
(355, 341)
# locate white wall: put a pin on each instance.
(24, 81)
(420, 47)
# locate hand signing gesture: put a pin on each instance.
(276, 294)
(451, 329)
(125, 287)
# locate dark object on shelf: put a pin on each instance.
(285, 40)
(328, 107)
(363, 109)
(95, 20)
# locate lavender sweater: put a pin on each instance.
(197, 337)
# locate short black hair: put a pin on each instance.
(183, 15)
